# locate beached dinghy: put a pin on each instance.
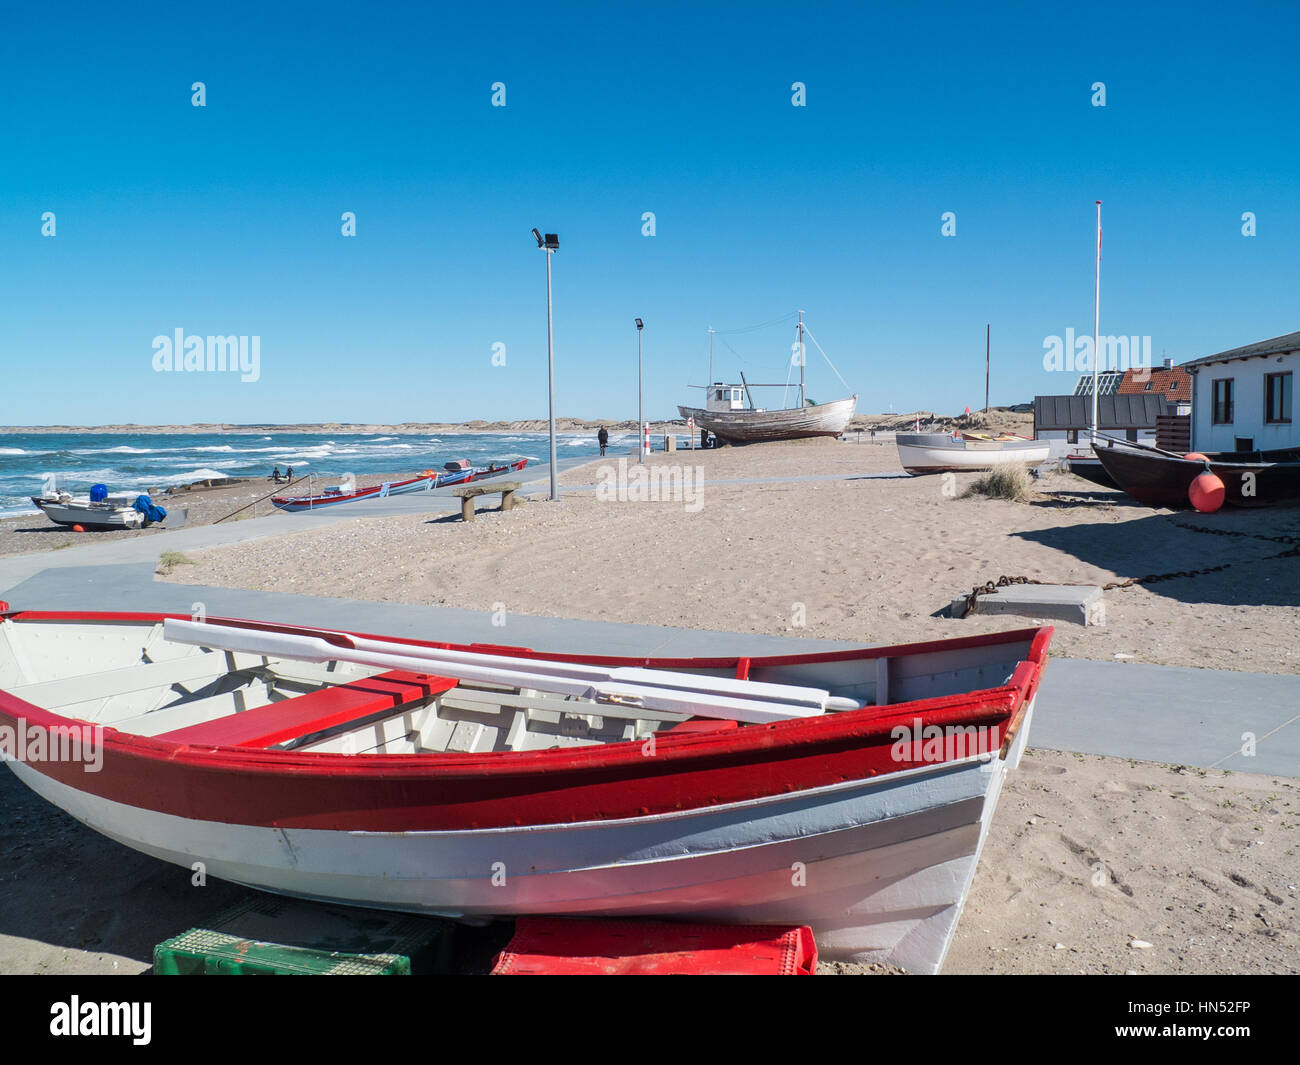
(944, 452)
(425, 482)
(1158, 478)
(847, 790)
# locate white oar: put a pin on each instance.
(316, 649)
(657, 678)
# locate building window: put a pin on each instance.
(1072, 436)
(1277, 397)
(1243, 443)
(1222, 401)
(1148, 387)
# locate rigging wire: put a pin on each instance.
(826, 357)
(752, 328)
(747, 362)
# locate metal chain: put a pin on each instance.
(989, 587)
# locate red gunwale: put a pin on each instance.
(688, 770)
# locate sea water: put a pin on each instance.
(130, 462)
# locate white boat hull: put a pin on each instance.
(90, 515)
(920, 453)
(754, 426)
(878, 868)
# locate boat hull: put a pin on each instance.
(396, 488)
(1250, 479)
(90, 516)
(879, 869)
(751, 427)
(921, 453)
(821, 821)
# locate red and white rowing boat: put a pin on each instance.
(457, 473)
(847, 790)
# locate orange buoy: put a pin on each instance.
(1196, 456)
(78, 528)
(1206, 493)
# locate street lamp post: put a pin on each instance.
(549, 244)
(640, 420)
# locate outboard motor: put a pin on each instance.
(98, 493)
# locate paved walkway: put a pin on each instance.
(1194, 717)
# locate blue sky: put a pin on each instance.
(225, 219)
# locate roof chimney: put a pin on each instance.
(1169, 364)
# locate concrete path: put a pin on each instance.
(1195, 717)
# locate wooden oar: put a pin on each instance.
(756, 705)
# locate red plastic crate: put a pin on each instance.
(559, 946)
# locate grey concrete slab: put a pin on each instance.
(1170, 714)
(1076, 603)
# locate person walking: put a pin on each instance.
(603, 437)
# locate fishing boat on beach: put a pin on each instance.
(921, 453)
(456, 473)
(1163, 479)
(102, 510)
(727, 417)
(847, 790)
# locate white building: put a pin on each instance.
(1243, 399)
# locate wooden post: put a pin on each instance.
(467, 508)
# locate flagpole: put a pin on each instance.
(1096, 323)
(987, 328)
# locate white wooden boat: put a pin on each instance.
(847, 790)
(114, 512)
(726, 416)
(794, 423)
(942, 452)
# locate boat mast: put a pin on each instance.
(709, 383)
(802, 360)
(1096, 320)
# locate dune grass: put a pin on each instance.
(1012, 483)
(169, 560)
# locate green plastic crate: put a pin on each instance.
(269, 936)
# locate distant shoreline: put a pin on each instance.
(997, 418)
(362, 429)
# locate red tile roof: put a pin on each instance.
(1175, 384)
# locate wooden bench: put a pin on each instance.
(468, 493)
